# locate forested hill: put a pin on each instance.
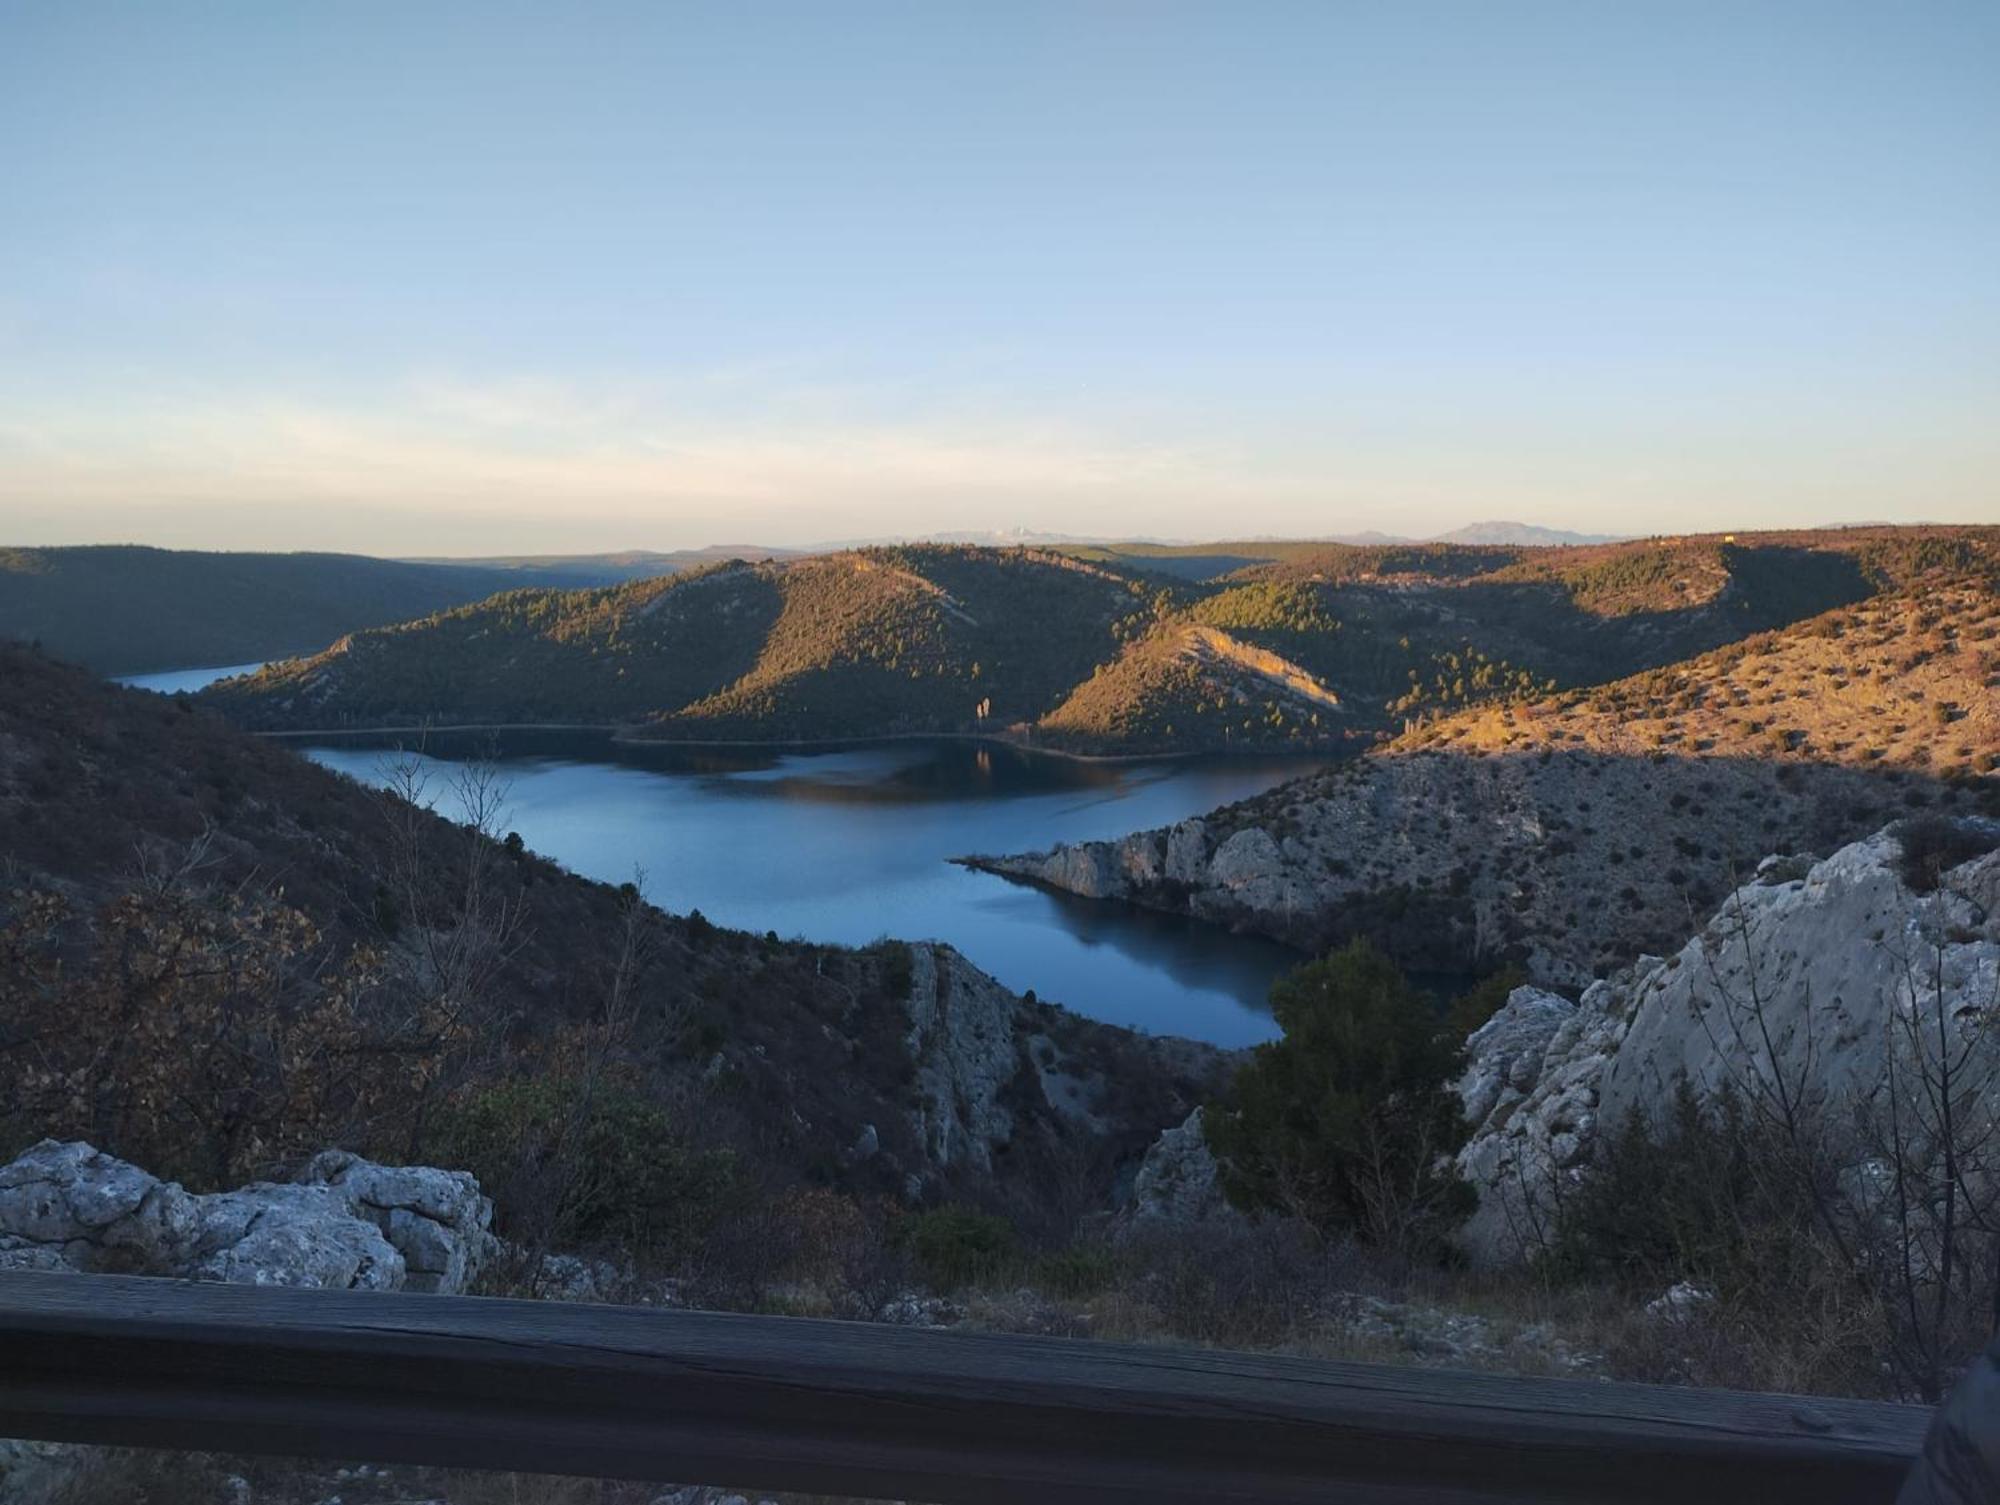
(874, 640)
(1124, 651)
(123, 609)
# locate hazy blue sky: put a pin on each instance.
(422, 277)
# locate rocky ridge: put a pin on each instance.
(1800, 977)
(1569, 863)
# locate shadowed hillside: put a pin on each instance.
(128, 610)
(276, 958)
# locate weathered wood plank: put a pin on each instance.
(782, 1403)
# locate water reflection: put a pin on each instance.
(850, 844)
(185, 681)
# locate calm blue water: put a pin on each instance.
(851, 845)
(175, 681)
(847, 846)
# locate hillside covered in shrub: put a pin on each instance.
(1316, 645)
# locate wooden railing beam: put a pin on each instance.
(877, 1411)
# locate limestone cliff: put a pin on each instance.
(996, 1073)
(1800, 976)
(1570, 863)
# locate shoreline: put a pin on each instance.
(619, 735)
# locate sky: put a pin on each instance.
(476, 279)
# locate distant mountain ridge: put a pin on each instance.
(1493, 532)
(1528, 534)
(133, 609)
(612, 567)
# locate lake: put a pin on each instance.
(847, 845)
(179, 681)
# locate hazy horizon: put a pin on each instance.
(454, 281)
(997, 538)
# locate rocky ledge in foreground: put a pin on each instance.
(345, 1223)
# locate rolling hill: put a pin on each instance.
(873, 641)
(1398, 633)
(1324, 646)
(126, 610)
(1908, 679)
(1572, 832)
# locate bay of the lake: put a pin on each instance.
(853, 844)
(847, 845)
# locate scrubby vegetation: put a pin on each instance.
(1907, 679)
(580, 1163)
(1098, 649)
(871, 642)
(1348, 1122)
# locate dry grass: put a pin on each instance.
(1905, 681)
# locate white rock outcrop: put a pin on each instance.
(962, 1040)
(346, 1223)
(1566, 862)
(1178, 1183)
(1804, 976)
(1504, 1056)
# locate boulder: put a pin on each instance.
(1178, 1182)
(91, 1211)
(438, 1221)
(277, 1235)
(346, 1223)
